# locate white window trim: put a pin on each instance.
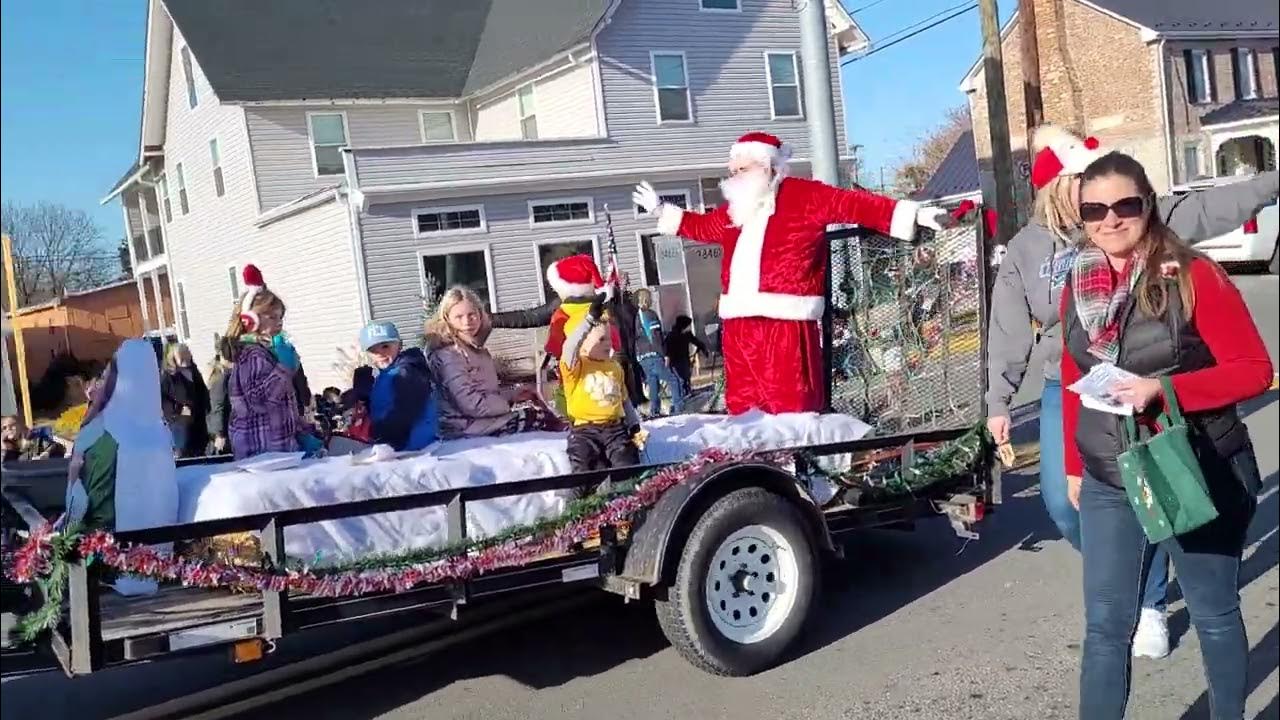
(645, 280)
(458, 249)
(216, 167)
(234, 276)
(768, 76)
(737, 9)
(1201, 59)
(591, 212)
(413, 219)
(181, 316)
(179, 186)
(311, 141)
(520, 115)
(422, 126)
(1247, 61)
(187, 60)
(537, 261)
(162, 182)
(688, 201)
(653, 82)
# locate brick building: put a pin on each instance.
(1186, 86)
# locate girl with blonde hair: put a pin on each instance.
(1024, 309)
(473, 401)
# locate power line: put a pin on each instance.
(865, 7)
(908, 36)
(893, 35)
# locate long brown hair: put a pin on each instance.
(263, 301)
(1159, 244)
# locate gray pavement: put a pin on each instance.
(911, 625)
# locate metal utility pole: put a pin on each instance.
(998, 118)
(1029, 47)
(820, 109)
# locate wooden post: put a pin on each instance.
(998, 115)
(19, 348)
(1029, 47)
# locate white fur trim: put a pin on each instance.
(758, 151)
(778, 306)
(669, 218)
(1051, 136)
(250, 294)
(567, 289)
(902, 224)
(748, 251)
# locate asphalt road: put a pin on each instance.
(912, 625)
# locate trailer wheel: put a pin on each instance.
(746, 579)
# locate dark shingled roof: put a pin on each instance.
(253, 50)
(1180, 15)
(1242, 110)
(957, 175)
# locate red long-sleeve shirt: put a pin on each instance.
(1222, 319)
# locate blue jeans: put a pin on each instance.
(1116, 554)
(1053, 490)
(657, 372)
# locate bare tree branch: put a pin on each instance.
(56, 250)
(930, 150)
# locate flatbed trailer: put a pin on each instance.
(731, 557)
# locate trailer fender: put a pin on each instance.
(657, 541)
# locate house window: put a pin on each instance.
(719, 4)
(1199, 66)
(469, 268)
(328, 137)
(188, 72)
(233, 276)
(162, 183)
(679, 198)
(180, 185)
(215, 156)
(551, 251)
(711, 195)
(571, 210)
(784, 84)
(449, 220)
(438, 127)
(528, 115)
(1191, 162)
(671, 87)
(1244, 71)
(184, 328)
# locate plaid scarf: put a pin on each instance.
(1100, 296)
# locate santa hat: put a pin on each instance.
(575, 276)
(253, 284)
(1060, 153)
(761, 147)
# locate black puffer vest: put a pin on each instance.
(1150, 347)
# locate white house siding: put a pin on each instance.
(497, 119)
(282, 146)
(725, 66)
(395, 274)
(564, 105)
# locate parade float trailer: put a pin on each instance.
(725, 529)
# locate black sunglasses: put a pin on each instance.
(1125, 209)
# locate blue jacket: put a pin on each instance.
(403, 404)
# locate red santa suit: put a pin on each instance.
(771, 280)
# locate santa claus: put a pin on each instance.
(774, 258)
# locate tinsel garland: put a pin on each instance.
(44, 557)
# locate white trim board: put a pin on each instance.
(591, 211)
(436, 209)
(537, 260)
(311, 141)
(768, 84)
(688, 91)
(458, 249)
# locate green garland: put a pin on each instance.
(53, 587)
(883, 481)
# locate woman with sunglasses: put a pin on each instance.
(1027, 292)
(1138, 297)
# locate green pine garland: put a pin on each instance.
(53, 587)
(881, 482)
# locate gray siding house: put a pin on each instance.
(365, 156)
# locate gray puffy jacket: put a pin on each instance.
(1029, 284)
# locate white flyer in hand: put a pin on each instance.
(1094, 389)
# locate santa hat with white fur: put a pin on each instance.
(762, 147)
(253, 284)
(576, 277)
(1060, 153)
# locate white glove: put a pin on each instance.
(646, 197)
(934, 218)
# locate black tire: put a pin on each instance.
(684, 616)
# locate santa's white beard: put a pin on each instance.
(749, 194)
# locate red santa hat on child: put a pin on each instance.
(253, 284)
(575, 276)
(761, 147)
(1060, 153)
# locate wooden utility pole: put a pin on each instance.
(20, 349)
(1029, 46)
(998, 119)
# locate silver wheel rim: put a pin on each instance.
(751, 584)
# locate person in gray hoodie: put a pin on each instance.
(1025, 305)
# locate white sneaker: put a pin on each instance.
(1152, 638)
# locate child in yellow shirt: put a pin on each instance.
(605, 430)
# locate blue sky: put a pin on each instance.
(72, 81)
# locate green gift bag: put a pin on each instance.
(1163, 477)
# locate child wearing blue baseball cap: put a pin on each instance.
(402, 404)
